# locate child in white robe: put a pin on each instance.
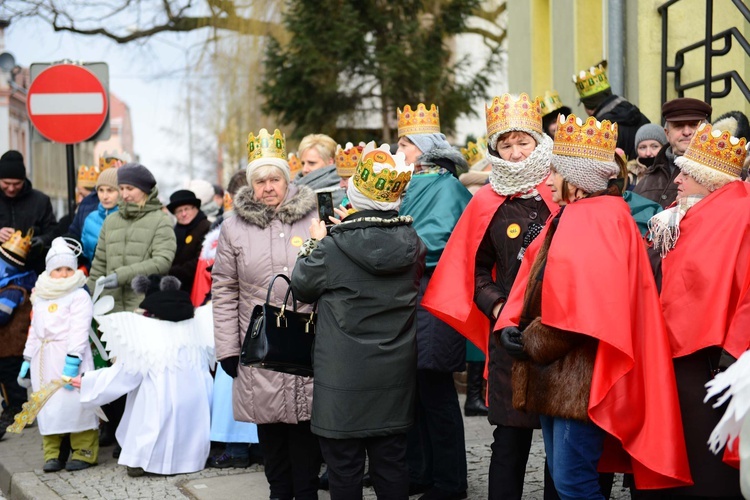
(57, 346)
(163, 356)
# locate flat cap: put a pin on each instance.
(685, 108)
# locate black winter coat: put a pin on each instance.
(500, 250)
(189, 241)
(365, 278)
(30, 208)
(628, 118)
(657, 183)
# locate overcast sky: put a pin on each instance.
(148, 77)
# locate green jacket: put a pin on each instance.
(134, 240)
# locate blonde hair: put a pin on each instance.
(324, 145)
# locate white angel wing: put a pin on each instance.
(734, 384)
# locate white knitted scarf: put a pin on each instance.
(49, 288)
(664, 227)
(507, 178)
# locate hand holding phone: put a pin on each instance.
(325, 207)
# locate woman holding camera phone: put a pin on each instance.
(272, 220)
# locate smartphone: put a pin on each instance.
(325, 207)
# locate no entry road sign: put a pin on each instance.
(67, 103)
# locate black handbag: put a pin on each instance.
(278, 339)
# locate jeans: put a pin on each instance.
(346, 466)
(238, 450)
(573, 450)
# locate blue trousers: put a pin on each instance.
(573, 450)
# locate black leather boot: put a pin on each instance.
(474, 405)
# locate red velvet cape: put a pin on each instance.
(705, 292)
(450, 294)
(598, 282)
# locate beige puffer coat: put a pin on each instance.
(256, 244)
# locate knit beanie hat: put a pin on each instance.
(282, 165)
(584, 152)
(428, 142)
(60, 255)
(136, 175)
(11, 165)
(164, 299)
(650, 132)
(107, 178)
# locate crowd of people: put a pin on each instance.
(592, 269)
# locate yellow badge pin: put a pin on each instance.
(52, 308)
(189, 239)
(514, 231)
(297, 241)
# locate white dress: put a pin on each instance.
(164, 368)
(60, 327)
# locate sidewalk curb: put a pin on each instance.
(28, 486)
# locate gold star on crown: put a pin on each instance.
(507, 113)
(388, 184)
(265, 145)
(17, 248)
(347, 159)
(87, 176)
(550, 102)
(592, 81)
(717, 150)
(475, 152)
(419, 121)
(589, 139)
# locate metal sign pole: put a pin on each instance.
(69, 153)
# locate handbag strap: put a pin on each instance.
(288, 291)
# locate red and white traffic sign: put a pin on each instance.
(67, 103)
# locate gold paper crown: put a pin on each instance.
(17, 248)
(347, 159)
(87, 176)
(717, 150)
(388, 184)
(475, 152)
(105, 163)
(419, 121)
(550, 102)
(589, 139)
(294, 164)
(266, 145)
(228, 203)
(592, 81)
(507, 113)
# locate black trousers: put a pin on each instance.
(346, 466)
(291, 456)
(436, 451)
(14, 394)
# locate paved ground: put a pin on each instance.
(21, 476)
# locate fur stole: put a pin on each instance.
(299, 201)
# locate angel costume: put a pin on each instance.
(164, 368)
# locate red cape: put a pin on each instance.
(201, 282)
(598, 282)
(450, 294)
(705, 292)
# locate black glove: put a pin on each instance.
(511, 339)
(230, 365)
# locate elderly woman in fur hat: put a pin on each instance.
(583, 324)
(272, 220)
(701, 252)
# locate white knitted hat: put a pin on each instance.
(60, 255)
